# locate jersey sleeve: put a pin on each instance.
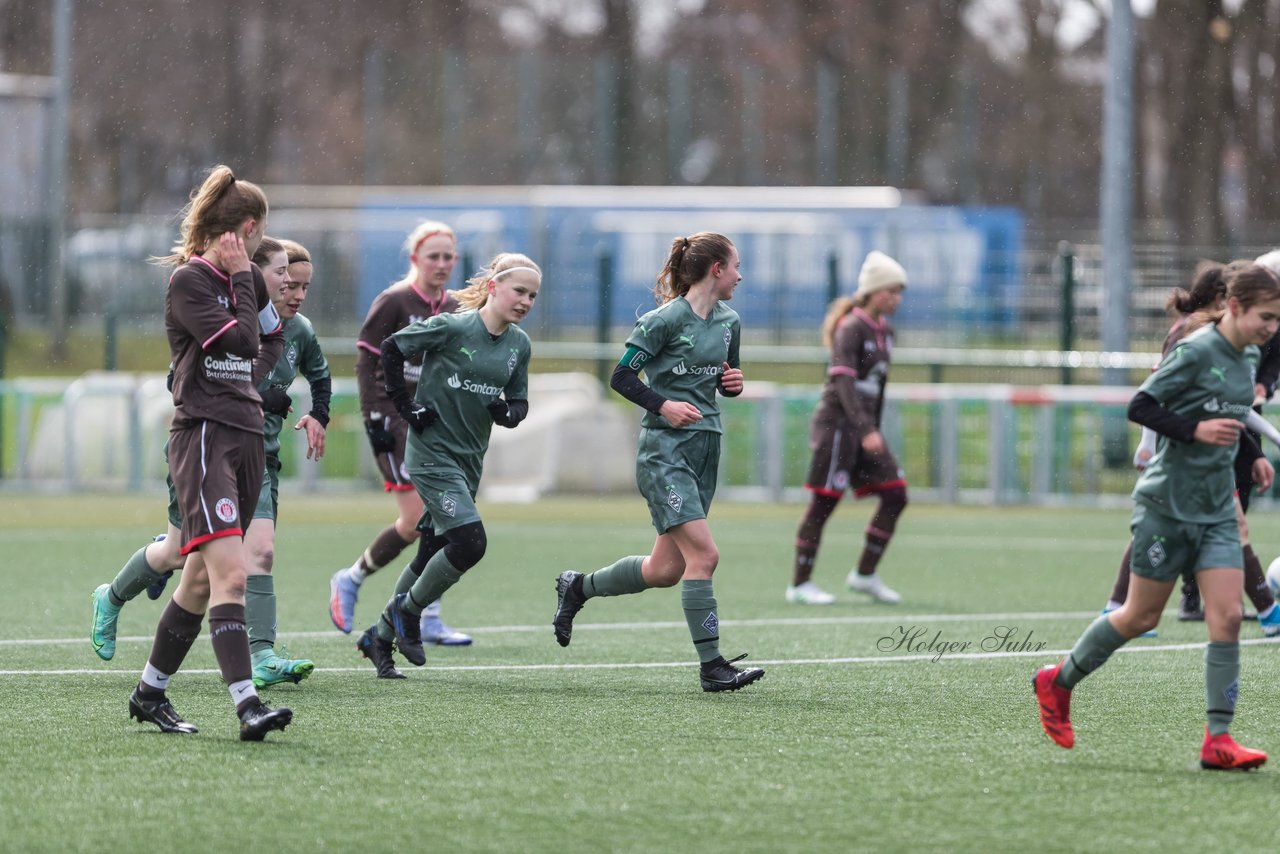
(650, 334)
(1177, 372)
(311, 361)
(424, 336)
(196, 307)
(382, 321)
(517, 388)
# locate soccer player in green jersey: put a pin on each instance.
(475, 373)
(302, 355)
(688, 349)
(1184, 513)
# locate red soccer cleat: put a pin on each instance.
(1221, 753)
(1055, 705)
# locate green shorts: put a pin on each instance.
(449, 500)
(676, 472)
(175, 515)
(269, 497)
(1165, 548)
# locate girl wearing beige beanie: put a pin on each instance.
(848, 449)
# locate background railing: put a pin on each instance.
(962, 443)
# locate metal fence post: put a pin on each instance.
(1067, 341)
(604, 308)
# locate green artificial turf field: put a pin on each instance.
(878, 728)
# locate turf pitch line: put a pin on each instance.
(1048, 655)
(639, 626)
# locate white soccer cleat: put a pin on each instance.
(873, 587)
(808, 594)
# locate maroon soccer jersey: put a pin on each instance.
(392, 310)
(211, 320)
(854, 391)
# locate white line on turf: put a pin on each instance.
(893, 619)
(1048, 655)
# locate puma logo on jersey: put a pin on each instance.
(688, 339)
(470, 354)
(1220, 373)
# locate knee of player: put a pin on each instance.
(895, 499)
(166, 554)
(263, 557)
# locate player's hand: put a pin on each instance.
(1264, 474)
(275, 401)
(420, 416)
(231, 253)
(382, 440)
(680, 414)
(1140, 459)
(731, 379)
(1218, 431)
(315, 436)
(873, 442)
(500, 412)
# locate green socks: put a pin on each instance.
(132, 578)
(619, 578)
(699, 604)
(1090, 652)
(260, 611)
(1221, 684)
(438, 576)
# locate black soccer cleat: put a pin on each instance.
(260, 719)
(568, 603)
(159, 712)
(721, 675)
(378, 651)
(408, 629)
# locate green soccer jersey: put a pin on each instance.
(464, 369)
(686, 356)
(1203, 377)
(301, 356)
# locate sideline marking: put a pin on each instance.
(640, 626)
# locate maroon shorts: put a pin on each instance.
(217, 473)
(395, 476)
(840, 463)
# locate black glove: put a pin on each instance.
(382, 440)
(500, 412)
(420, 416)
(275, 401)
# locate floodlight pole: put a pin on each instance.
(1117, 210)
(56, 177)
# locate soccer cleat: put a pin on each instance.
(408, 629)
(1271, 623)
(156, 588)
(434, 631)
(721, 675)
(1150, 633)
(270, 668)
(809, 594)
(568, 603)
(873, 587)
(260, 719)
(159, 712)
(378, 651)
(105, 615)
(342, 600)
(1189, 608)
(1221, 753)
(1055, 705)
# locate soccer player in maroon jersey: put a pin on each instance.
(849, 451)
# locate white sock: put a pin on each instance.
(153, 678)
